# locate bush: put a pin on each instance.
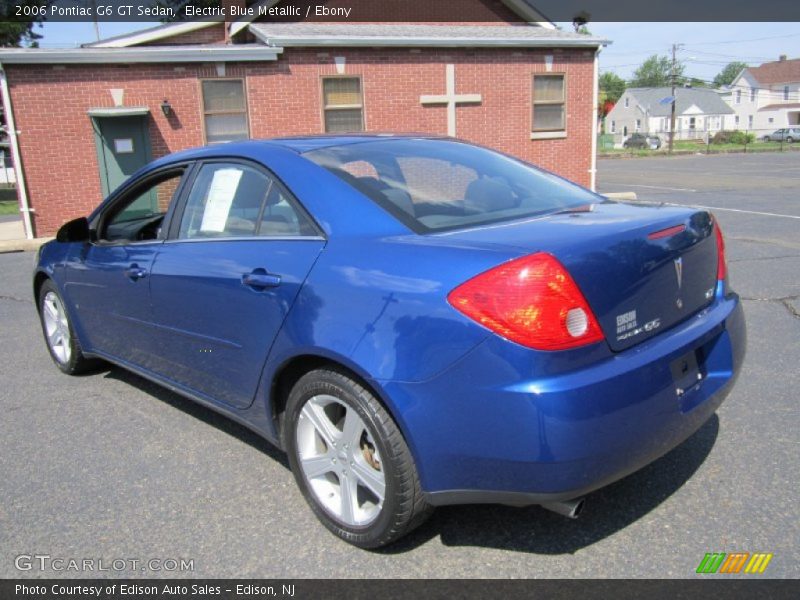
(739, 138)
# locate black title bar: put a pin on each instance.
(710, 588)
(353, 11)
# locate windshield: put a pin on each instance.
(434, 185)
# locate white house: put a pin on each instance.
(698, 112)
(767, 97)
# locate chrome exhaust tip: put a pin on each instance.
(569, 508)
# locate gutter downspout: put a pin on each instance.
(595, 98)
(22, 192)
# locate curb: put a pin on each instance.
(23, 245)
(621, 195)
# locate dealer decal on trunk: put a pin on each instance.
(628, 327)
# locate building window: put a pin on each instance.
(736, 120)
(750, 121)
(753, 94)
(342, 104)
(549, 95)
(224, 110)
(613, 127)
(771, 120)
(627, 102)
(738, 96)
(786, 92)
(638, 125)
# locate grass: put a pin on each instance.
(691, 147)
(9, 207)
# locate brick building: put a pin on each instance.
(88, 117)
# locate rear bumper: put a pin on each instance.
(512, 426)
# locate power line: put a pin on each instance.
(772, 37)
(732, 56)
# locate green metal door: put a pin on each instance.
(123, 147)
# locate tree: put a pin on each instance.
(17, 31)
(656, 71)
(612, 86)
(580, 22)
(729, 73)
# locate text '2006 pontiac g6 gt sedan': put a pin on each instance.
(415, 321)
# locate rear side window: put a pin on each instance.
(435, 185)
(233, 200)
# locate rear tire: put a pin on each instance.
(62, 343)
(350, 461)
(790, 140)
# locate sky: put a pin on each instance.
(707, 47)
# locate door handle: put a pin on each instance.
(259, 279)
(135, 272)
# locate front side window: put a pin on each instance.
(549, 98)
(342, 104)
(137, 216)
(224, 110)
(234, 200)
(434, 185)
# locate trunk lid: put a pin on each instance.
(642, 269)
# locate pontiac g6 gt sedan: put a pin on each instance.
(415, 321)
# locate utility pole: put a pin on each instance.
(673, 80)
(93, 4)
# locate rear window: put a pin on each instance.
(435, 185)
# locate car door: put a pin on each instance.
(107, 280)
(225, 279)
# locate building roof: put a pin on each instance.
(707, 100)
(153, 34)
(791, 105)
(779, 71)
(526, 10)
(413, 35)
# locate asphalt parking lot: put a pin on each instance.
(111, 466)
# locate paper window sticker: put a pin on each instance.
(220, 197)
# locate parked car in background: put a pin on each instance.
(787, 134)
(640, 140)
(416, 321)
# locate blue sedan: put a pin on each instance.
(415, 321)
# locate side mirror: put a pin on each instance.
(75, 231)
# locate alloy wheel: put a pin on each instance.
(340, 460)
(56, 327)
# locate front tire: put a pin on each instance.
(351, 461)
(62, 343)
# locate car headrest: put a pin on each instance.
(400, 199)
(490, 195)
(250, 192)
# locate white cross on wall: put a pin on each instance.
(451, 99)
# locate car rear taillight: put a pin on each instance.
(532, 301)
(722, 268)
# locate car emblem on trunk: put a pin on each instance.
(679, 271)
